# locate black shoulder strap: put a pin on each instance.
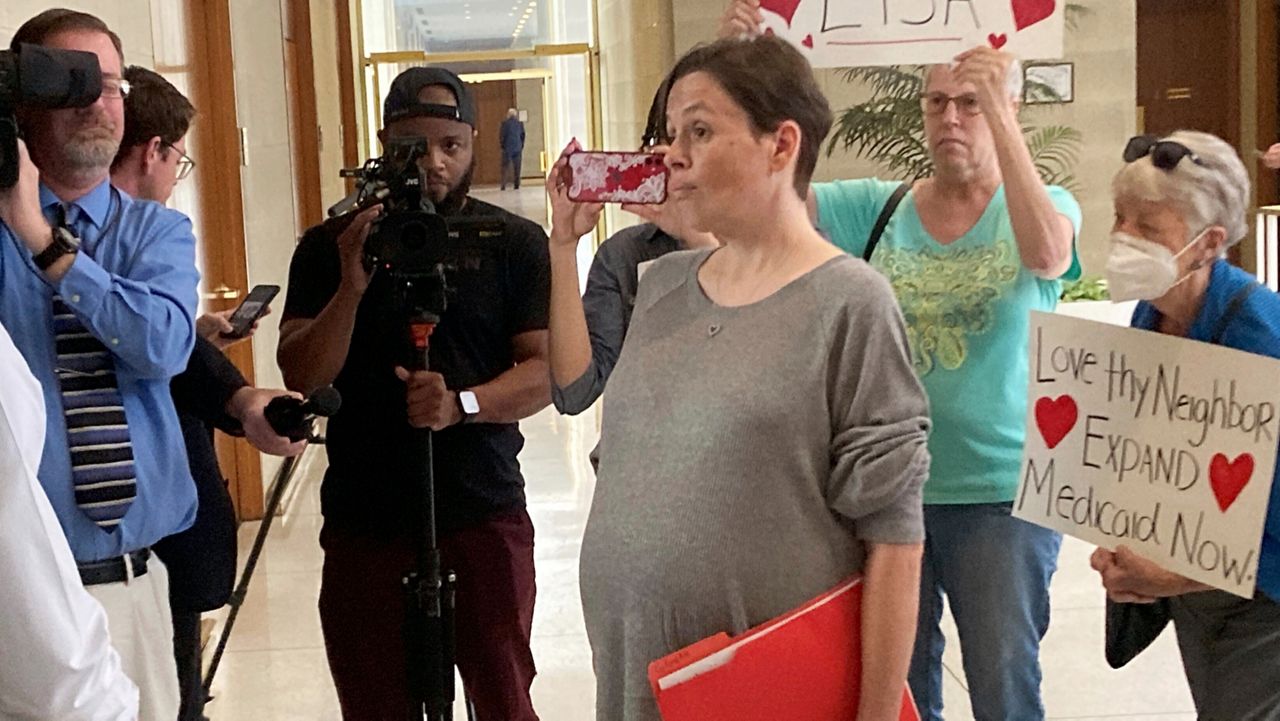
(1233, 307)
(885, 214)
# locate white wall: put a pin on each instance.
(529, 99)
(130, 19)
(324, 39)
(267, 178)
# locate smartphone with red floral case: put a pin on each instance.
(615, 177)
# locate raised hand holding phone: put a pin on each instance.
(570, 220)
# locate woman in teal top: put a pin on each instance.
(1180, 202)
(969, 252)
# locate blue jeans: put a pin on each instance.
(995, 571)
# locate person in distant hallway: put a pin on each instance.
(511, 137)
(210, 392)
(1181, 202)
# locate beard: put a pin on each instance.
(456, 198)
(93, 147)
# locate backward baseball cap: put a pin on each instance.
(402, 100)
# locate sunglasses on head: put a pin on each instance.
(1165, 154)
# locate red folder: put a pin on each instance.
(802, 666)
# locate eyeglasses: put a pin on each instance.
(185, 163)
(1165, 154)
(115, 88)
(936, 103)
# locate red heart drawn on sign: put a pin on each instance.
(1029, 12)
(1056, 418)
(807, 42)
(786, 9)
(1228, 478)
(997, 41)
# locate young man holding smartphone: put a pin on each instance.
(210, 393)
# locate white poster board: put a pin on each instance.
(850, 33)
(1161, 444)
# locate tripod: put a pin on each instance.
(429, 588)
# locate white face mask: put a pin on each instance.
(1139, 269)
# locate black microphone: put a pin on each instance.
(291, 417)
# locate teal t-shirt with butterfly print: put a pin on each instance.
(967, 307)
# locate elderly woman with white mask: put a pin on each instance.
(1180, 202)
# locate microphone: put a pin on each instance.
(291, 417)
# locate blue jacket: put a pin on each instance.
(1255, 328)
(512, 136)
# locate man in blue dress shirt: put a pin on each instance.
(99, 294)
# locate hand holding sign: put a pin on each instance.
(1160, 445)
(743, 18)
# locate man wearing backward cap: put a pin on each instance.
(488, 371)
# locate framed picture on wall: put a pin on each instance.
(1049, 83)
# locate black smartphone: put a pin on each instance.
(251, 309)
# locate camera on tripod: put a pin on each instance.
(37, 76)
(406, 241)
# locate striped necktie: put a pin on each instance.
(102, 467)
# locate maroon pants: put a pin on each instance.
(362, 614)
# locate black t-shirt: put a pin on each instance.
(500, 289)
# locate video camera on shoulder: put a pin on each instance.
(41, 77)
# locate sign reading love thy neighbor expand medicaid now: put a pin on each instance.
(848, 33)
(1161, 444)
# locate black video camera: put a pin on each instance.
(41, 77)
(405, 241)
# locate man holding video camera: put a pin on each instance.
(488, 371)
(98, 292)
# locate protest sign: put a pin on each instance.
(1161, 444)
(849, 33)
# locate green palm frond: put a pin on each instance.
(1055, 150)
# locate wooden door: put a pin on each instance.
(304, 137)
(493, 99)
(1189, 70)
(1189, 66)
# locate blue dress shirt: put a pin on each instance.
(1255, 328)
(133, 286)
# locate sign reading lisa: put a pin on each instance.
(848, 33)
(1164, 445)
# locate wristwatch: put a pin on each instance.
(64, 243)
(469, 405)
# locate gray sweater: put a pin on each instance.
(607, 304)
(749, 453)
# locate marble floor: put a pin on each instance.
(530, 201)
(275, 668)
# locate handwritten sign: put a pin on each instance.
(848, 33)
(1164, 445)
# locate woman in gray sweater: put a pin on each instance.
(764, 433)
